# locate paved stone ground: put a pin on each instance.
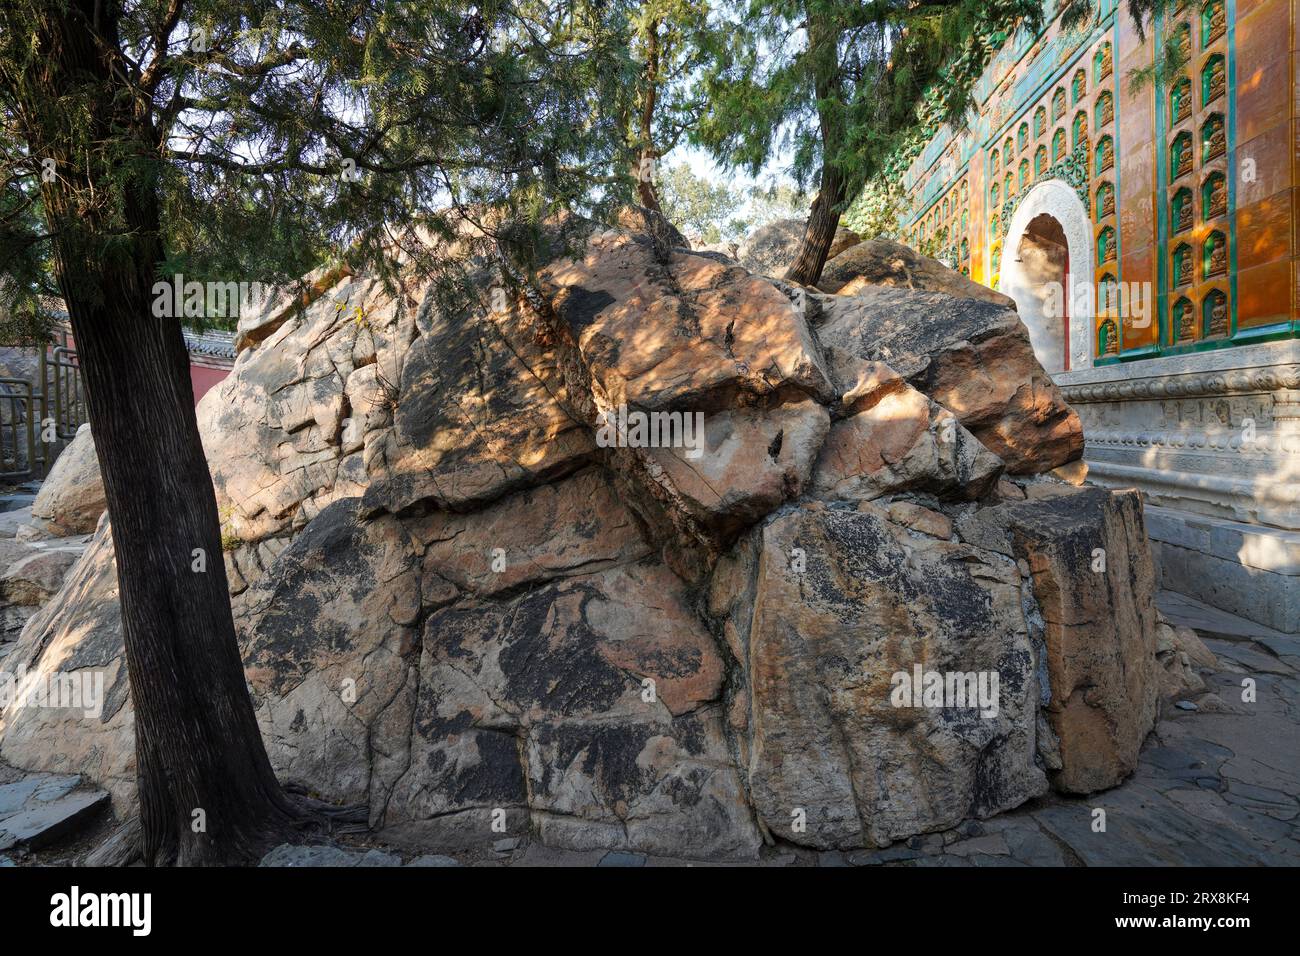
(1218, 784)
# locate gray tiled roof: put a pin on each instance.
(213, 342)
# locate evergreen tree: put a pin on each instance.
(666, 41)
(838, 83)
(700, 207)
(242, 139)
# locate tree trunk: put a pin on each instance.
(646, 171)
(819, 233)
(207, 792)
(824, 217)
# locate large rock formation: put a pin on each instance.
(883, 262)
(648, 554)
(770, 249)
(71, 498)
(974, 358)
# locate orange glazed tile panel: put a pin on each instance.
(1264, 294)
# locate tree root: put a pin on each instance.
(333, 819)
(308, 817)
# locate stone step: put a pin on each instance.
(42, 808)
(1184, 611)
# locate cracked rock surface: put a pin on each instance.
(459, 608)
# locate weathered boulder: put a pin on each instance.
(76, 635)
(770, 249)
(483, 411)
(574, 526)
(689, 337)
(330, 645)
(71, 498)
(472, 588)
(658, 336)
(883, 262)
(750, 460)
(36, 577)
(1180, 656)
(973, 358)
(261, 318)
(292, 428)
(896, 439)
(822, 608)
(1094, 585)
(640, 220)
(592, 705)
(719, 251)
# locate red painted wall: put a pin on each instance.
(203, 378)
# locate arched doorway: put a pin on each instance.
(1047, 255)
(1044, 260)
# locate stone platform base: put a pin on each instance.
(1212, 440)
(1248, 570)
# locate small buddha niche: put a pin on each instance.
(1108, 337)
(1105, 109)
(1105, 154)
(1180, 155)
(1184, 325)
(1215, 196)
(1101, 64)
(1215, 309)
(1105, 200)
(1212, 79)
(1182, 266)
(1215, 255)
(1180, 101)
(1182, 210)
(1213, 22)
(1213, 141)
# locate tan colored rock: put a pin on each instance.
(1093, 581)
(591, 705)
(1186, 641)
(752, 459)
(330, 651)
(484, 410)
(644, 667)
(276, 429)
(902, 442)
(265, 316)
(37, 577)
(918, 518)
(1180, 655)
(574, 526)
(1009, 491)
(771, 249)
(1075, 473)
(835, 603)
(972, 357)
(71, 498)
(883, 262)
(642, 221)
(78, 633)
(1044, 489)
(680, 335)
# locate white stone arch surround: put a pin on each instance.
(1058, 199)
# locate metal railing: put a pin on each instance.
(38, 419)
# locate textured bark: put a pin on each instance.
(823, 220)
(646, 192)
(824, 217)
(199, 752)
